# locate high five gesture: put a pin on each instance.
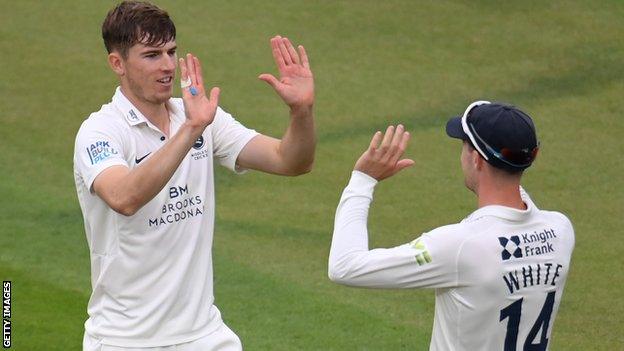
(296, 83)
(139, 153)
(383, 159)
(293, 154)
(200, 110)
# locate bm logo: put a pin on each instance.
(176, 191)
(511, 247)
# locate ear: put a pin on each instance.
(535, 153)
(116, 63)
(477, 160)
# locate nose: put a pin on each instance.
(168, 63)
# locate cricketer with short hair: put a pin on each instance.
(143, 168)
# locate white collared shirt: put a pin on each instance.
(151, 273)
(498, 275)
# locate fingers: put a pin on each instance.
(190, 64)
(277, 54)
(198, 73)
(191, 81)
(304, 57)
(387, 139)
(393, 145)
(183, 69)
(398, 145)
(269, 78)
(405, 140)
(398, 134)
(284, 51)
(183, 74)
(214, 96)
(403, 164)
(382, 159)
(375, 141)
(291, 50)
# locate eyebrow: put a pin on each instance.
(157, 51)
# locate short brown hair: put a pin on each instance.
(133, 22)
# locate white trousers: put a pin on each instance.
(222, 339)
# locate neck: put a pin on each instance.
(156, 113)
(502, 194)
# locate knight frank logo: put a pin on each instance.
(511, 247)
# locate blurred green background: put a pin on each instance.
(375, 63)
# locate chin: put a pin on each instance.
(163, 97)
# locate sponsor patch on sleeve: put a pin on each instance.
(422, 255)
(100, 151)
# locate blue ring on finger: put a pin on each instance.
(193, 91)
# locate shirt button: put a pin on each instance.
(162, 138)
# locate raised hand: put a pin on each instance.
(200, 110)
(381, 161)
(296, 83)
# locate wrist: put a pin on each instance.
(363, 175)
(191, 131)
(359, 173)
(362, 183)
(301, 111)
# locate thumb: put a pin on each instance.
(270, 79)
(404, 163)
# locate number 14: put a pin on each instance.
(513, 311)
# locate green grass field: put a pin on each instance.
(375, 63)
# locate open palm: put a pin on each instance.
(200, 109)
(296, 83)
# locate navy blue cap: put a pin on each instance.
(503, 132)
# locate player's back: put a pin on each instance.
(511, 269)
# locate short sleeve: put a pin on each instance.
(98, 146)
(229, 138)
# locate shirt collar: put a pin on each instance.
(133, 116)
(504, 212)
(130, 112)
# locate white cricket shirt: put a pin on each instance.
(151, 273)
(498, 275)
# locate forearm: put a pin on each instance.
(350, 236)
(297, 146)
(129, 192)
(350, 260)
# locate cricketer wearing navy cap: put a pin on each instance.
(498, 274)
(502, 134)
